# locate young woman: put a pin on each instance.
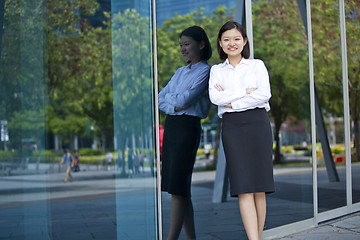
(241, 89)
(185, 101)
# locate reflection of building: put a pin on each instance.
(166, 9)
(142, 6)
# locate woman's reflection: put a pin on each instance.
(185, 101)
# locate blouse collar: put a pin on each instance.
(243, 61)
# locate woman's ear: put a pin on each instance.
(202, 45)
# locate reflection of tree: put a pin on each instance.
(352, 14)
(21, 70)
(280, 41)
(79, 70)
(327, 58)
(132, 76)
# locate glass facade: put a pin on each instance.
(329, 93)
(287, 63)
(79, 120)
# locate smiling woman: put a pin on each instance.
(241, 89)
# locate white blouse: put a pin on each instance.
(234, 81)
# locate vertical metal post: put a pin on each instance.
(156, 110)
(249, 27)
(345, 101)
(312, 107)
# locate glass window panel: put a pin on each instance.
(22, 84)
(286, 58)
(61, 89)
(172, 18)
(328, 83)
(352, 11)
(136, 209)
(294, 172)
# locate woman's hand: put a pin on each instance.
(250, 90)
(220, 89)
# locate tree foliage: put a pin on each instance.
(280, 41)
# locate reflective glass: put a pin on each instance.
(290, 109)
(280, 41)
(330, 123)
(212, 220)
(352, 11)
(134, 127)
(71, 80)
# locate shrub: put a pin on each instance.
(89, 152)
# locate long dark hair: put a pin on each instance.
(199, 35)
(228, 26)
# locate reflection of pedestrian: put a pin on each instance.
(67, 159)
(136, 164)
(185, 101)
(109, 158)
(131, 161)
(241, 89)
(76, 164)
(141, 160)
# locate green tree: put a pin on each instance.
(352, 13)
(21, 69)
(79, 75)
(327, 58)
(132, 77)
(280, 41)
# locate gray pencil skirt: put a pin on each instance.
(248, 146)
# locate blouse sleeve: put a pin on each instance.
(261, 95)
(222, 98)
(185, 98)
(163, 105)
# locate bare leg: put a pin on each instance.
(181, 214)
(189, 225)
(249, 215)
(260, 203)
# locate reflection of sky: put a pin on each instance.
(167, 8)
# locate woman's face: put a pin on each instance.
(190, 49)
(232, 42)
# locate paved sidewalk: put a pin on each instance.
(95, 199)
(344, 228)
